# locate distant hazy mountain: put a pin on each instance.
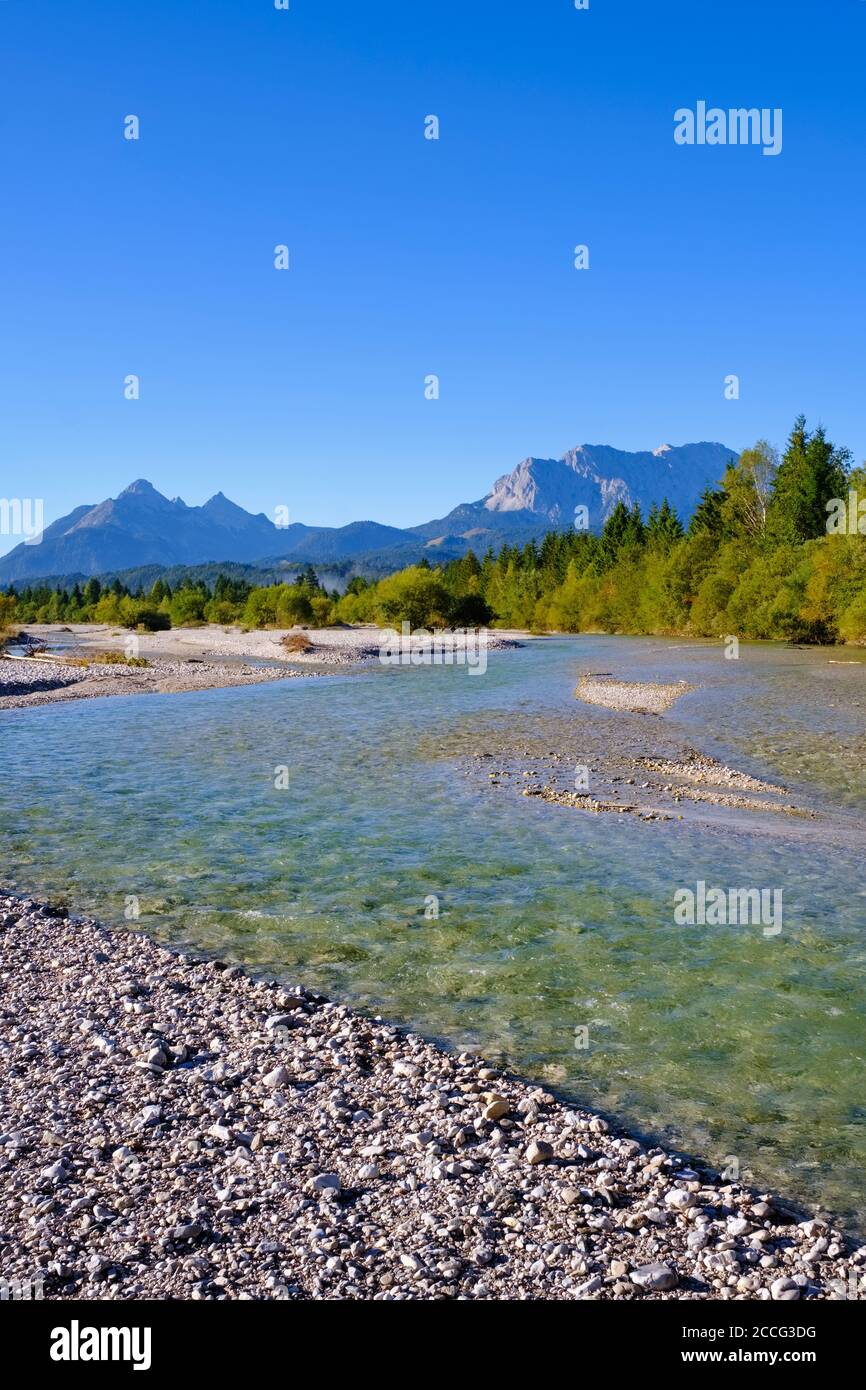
(328, 543)
(140, 527)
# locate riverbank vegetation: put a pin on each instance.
(756, 560)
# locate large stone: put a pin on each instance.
(591, 1286)
(278, 1077)
(57, 1174)
(739, 1226)
(187, 1230)
(496, 1106)
(407, 1069)
(539, 1152)
(326, 1182)
(655, 1277)
(679, 1199)
(278, 1021)
(784, 1290)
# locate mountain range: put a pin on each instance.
(141, 527)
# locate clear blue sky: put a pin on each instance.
(411, 256)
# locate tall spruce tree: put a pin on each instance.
(663, 526)
(707, 516)
(811, 472)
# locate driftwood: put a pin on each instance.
(35, 655)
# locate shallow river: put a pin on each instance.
(722, 1040)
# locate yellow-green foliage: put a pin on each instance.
(812, 592)
(7, 612)
(415, 595)
(109, 658)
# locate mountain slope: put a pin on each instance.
(542, 494)
(142, 527)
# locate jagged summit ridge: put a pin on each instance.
(142, 527)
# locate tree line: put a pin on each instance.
(756, 560)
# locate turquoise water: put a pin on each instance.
(717, 1039)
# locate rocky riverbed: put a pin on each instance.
(619, 763)
(172, 1128)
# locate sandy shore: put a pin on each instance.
(172, 1128)
(331, 645)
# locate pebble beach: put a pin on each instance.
(34, 682)
(173, 1128)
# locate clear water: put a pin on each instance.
(716, 1039)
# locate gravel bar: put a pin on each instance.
(636, 697)
(35, 682)
(171, 1128)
